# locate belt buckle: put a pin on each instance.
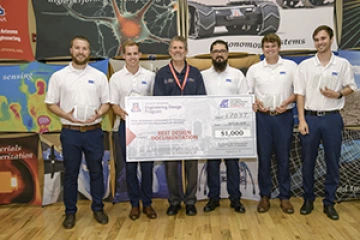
(273, 113)
(320, 113)
(82, 128)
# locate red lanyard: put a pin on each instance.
(182, 87)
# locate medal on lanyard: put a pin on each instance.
(182, 87)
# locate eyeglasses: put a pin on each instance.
(221, 51)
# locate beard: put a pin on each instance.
(77, 62)
(220, 65)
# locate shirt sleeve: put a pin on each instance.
(114, 90)
(200, 85)
(159, 89)
(299, 80)
(242, 86)
(152, 83)
(250, 79)
(53, 92)
(348, 79)
(104, 89)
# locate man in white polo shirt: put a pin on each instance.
(79, 95)
(133, 80)
(271, 80)
(321, 83)
(223, 80)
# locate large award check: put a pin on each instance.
(189, 127)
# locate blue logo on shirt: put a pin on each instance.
(143, 82)
(228, 80)
(91, 81)
(334, 73)
(282, 73)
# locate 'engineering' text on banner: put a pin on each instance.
(191, 127)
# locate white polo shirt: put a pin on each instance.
(229, 82)
(272, 83)
(73, 88)
(311, 76)
(123, 83)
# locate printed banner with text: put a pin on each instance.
(22, 95)
(243, 23)
(19, 180)
(14, 31)
(107, 24)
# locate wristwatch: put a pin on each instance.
(340, 96)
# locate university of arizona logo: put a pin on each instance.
(224, 103)
(2, 14)
(2, 11)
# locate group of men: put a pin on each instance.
(276, 83)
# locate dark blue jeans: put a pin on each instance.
(136, 191)
(274, 133)
(232, 178)
(74, 144)
(328, 128)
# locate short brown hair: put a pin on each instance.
(272, 38)
(326, 28)
(128, 44)
(179, 39)
(79, 38)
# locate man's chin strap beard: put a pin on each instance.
(220, 66)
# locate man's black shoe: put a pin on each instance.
(330, 211)
(173, 210)
(307, 207)
(211, 205)
(101, 217)
(69, 221)
(191, 210)
(237, 206)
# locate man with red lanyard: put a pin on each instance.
(176, 79)
(321, 83)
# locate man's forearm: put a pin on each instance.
(300, 102)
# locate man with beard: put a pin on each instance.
(321, 83)
(74, 90)
(271, 80)
(178, 78)
(223, 80)
(133, 80)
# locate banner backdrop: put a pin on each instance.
(350, 28)
(19, 181)
(14, 31)
(107, 24)
(54, 170)
(243, 25)
(159, 186)
(248, 180)
(349, 185)
(22, 95)
(351, 111)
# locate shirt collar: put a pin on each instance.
(184, 69)
(127, 71)
(77, 70)
(332, 60)
(279, 62)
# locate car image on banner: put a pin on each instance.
(242, 24)
(239, 17)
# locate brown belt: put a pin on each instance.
(82, 128)
(274, 113)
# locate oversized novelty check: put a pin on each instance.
(190, 127)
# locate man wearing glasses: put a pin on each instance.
(223, 80)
